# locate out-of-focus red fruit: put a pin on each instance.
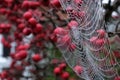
(59, 31)
(27, 31)
(23, 47)
(38, 28)
(65, 75)
(21, 26)
(72, 24)
(78, 69)
(34, 4)
(12, 64)
(66, 39)
(3, 10)
(6, 43)
(12, 55)
(8, 1)
(10, 78)
(93, 40)
(18, 36)
(101, 33)
(117, 78)
(117, 54)
(100, 42)
(27, 15)
(19, 67)
(78, 1)
(25, 4)
(53, 37)
(4, 74)
(32, 21)
(55, 3)
(112, 62)
(57, 70)
(21, 55)
(62, 66)
(72, 47)
(36, 58)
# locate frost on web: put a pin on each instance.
(84, 43)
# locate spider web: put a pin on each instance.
(84, 45)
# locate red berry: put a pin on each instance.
(33, 4)
(100, 42)
(66, 39)
(78, 1)
(25, 4)
(27, 31)
(65, 75)
(78, 69)
(36, 57)
(55, 3)
(62, 66)
(27, 15)
(32, 21)
(101, 33)
(38, 28)
(72, 24)
(21, 55)
(117, 54)
(117, 78)
(21, 26)
(72, 47)
(4, 74)
(57, 70)
(93, 39)
(59, 31)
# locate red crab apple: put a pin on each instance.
(100, 42)
(32, 21)
(36, 57)
(21, 55)
(55, 3)
(2, 10)
(9, 78)
(66, 39)
(21, 26)
(72, 47)
(72, 24)
(62, 66)
(6, 43)
(23, 47)
(57, 70)
(25, 4)
(38, 28)
(117, 54)
(59, 31)
(19, 67)
(78, 1)
(65, 75)
(117, 78)
(78, 69)
(4, 74)
(34, 4)
(27, 15)
(101, 33)
(93, 39)
(27, 31)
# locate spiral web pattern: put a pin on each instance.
(86, 45)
